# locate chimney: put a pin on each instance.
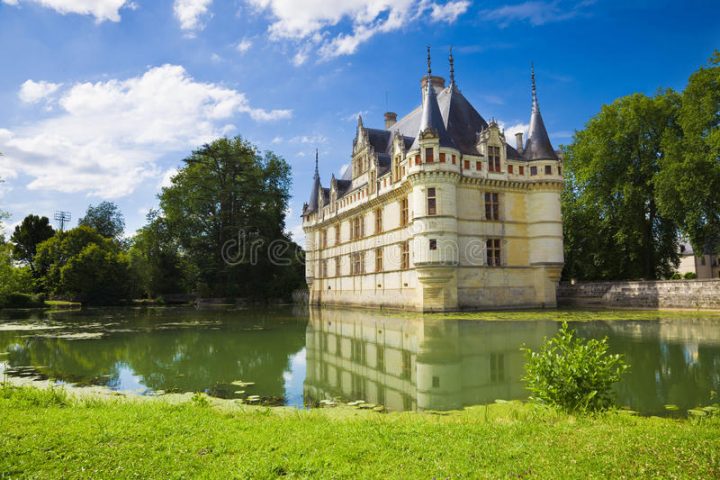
(390, 119)
(437, 82)
(519, 142)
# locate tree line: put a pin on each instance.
(641, 175)
(224, 192)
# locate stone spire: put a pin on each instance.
(431, 118)
(537, 146)
(312, 205)
(452, 70)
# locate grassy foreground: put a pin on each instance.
(49, 434)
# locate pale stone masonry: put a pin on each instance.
(437, 212)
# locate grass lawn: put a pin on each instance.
(50, 434)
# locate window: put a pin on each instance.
(442, 157)
(417, 160)
(433, 244)
(510, 169)
(379, 259)
(522, 170)
(404, 217)
(358, 228)
(494, 159)
(358, 263)
(478, 166)
(493, 252)
(428, 155)
(467, 164)
(337, 234)
(378, 220)
(454, 159)
(548, 170)
(397, 169)
(405, 255)
(559, 170)
(431, 201)
(533, 171)
(492, 206)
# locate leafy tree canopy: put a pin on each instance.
(106, 218)
(28, 235)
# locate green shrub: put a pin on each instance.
(21, 300)
(690, 276)
(573, 374)
(676, 276)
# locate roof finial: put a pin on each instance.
(317, 171)
(428, 62)
(534, 88)
(452, 68)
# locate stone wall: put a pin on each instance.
(693, 294)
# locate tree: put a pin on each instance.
(612, 225)
(84, 265)
(156, 261)
(27, 236)
(226, 209)
(689, 183)
(13, 279)
(106, 218)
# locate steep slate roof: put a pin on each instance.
(431, 117)
(312, 204)
(537, 146)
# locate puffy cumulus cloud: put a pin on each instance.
(243, 45)
(313, 23)
(33, 92)
(106, 137)
(511, 130)
(190, 14)
(102, 10)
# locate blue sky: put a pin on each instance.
(102, 99)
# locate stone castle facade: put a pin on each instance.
(438, 212)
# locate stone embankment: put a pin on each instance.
(692, 294)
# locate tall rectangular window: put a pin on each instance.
(379, 259)
(358, 263)
(492, 206)
(433, 244)
(378, 220)
(442, 157)
(522, 170)
(467, 164)
(533, 171)
(548, 170)
(431, 201)
(404, 213)
(510, 169)
(493, 252)
(454, 159)
(478, 166)
(428, 155)
(405, 255)
(493, 158)
(358, 227)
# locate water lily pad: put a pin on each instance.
(696, 412)
(239, 392)
(240, 383)
(356, 403)
(672, 408)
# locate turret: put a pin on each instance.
(538, 146)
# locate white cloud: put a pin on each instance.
(166, 179)
(314, 23)
(512, 130)
(107, 136)
(33, 92)
(277, 140)
(243, 45)
(102, 10)
(190, 14)
(450, 11)
(314, 139)
(536, 12)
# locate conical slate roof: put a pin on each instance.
(431, 117)
(537, 146)
(312, 204)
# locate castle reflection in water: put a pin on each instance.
(415, 363)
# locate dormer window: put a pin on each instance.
(493, 158)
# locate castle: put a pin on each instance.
(438, 212)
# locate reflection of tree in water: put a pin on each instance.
(191, 351)
(664, 369)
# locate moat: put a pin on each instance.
(298, 358)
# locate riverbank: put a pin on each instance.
(48, 433)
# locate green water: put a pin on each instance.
(298, 357)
